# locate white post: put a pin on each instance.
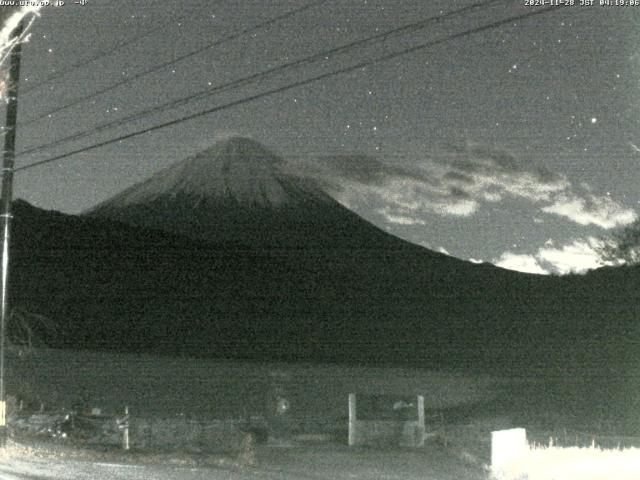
(352, 419)
(506, 447)
(421, 422)
(125, 429)
(3, 413)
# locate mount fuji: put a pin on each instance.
(228, 255)
(240, 193)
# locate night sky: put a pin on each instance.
(517, 145)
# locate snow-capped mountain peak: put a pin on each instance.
(237, 169)
(237, 191)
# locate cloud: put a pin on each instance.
(520, 262)
(492, 174)
(400, 219)
(592, 210)
(404, 198)
(369, 170)
(579, 256)
(456, 182)
(453, 184)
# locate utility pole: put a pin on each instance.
(5, 210)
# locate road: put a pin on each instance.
(309, 462)
(20, 469)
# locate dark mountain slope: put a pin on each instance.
(112, 286)
(225, 255)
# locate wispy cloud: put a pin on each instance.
(521, 263)
(578, 256)
(456, 181)
(491, 175)
(404, 195)
(394, 217)
(592, 210)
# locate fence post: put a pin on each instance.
(421, 423)
(352, 419)
(125, 429)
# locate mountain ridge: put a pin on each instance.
(238, 168)
(239, 192)
(109, 285)
(309, 280)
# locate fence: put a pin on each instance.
(386, 419)
(182, 433)
(169, 433)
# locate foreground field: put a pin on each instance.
(169, 398)
(209, 389)
(186, 415)
(304, 462)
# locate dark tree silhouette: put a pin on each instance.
(623, 246)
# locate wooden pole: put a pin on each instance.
(352, 419)
(5, 214)
(421, 423)
(125, 429)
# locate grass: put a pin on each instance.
(168, 396)
(185, 406)
(162, 387)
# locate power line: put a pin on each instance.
(290, 86)
(104, 53)
(161, 66)
(383, 36)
